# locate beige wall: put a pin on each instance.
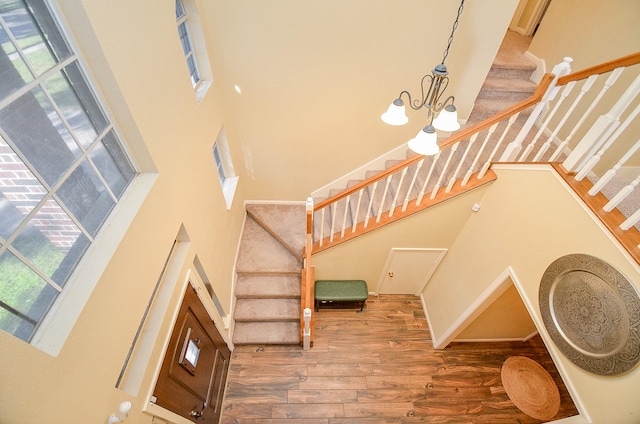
(505, 318)
(528, 220)
(364, 257)
(316, 76)
(134, 54)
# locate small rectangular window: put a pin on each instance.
(224, 167)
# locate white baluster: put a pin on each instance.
(511, 151)
(413, 183)
(631, 221)
(596, 158)
(486, 165)
(384, 196)
(426, 181)
(395, 197)
(355, 219)
(602, 127)
(370, 208)
(334, 207)
(453, 179)
(622, 194)
(346, 214)
(322, 225)
(436, 187)
(612, 172)
(466, 178)
(544, 126)
(585, 88)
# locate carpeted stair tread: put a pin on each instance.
(268, 286)
(261, 252)
(508, 89)
(266, 333)
(287, 223)
(267, 310)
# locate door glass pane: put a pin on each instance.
(20, 191)
(24, 297)
(86, 197)
(74, 99)
(38, 132)
(113, 164)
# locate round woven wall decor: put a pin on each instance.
(592, 313)
(530, 387)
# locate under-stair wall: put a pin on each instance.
(522, 232)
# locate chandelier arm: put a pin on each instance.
(441, 88)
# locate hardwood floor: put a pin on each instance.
(378, 366)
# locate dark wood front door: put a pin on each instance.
(194, 370)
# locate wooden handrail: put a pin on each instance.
(461, 135)
(632, 59)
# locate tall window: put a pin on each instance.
(187, 44)
(62, 166)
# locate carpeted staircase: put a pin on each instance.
(508, 81)
(269, 267)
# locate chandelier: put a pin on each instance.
(432, 88)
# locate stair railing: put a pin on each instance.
(547, 124)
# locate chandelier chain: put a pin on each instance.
(455, 25)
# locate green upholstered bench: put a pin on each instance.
(340, 291)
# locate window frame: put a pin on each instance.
(223, 161)
(58, 321)
(198, 49)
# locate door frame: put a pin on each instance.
(443, 251)
(194, 281)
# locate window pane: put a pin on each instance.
(39, 133)
(113, 164)
(30, 39)
(219, 165)
(47, 239)
(179, 9)
(40, 41)
(20, 191)
(13, 70)
(184, 38)
(86, 197)
(73, 97)
(24, 297)
(193, 70)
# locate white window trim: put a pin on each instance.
(230, 183)
(199, 48)
(59, 321)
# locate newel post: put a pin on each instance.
(513, 149)
(306, 320)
